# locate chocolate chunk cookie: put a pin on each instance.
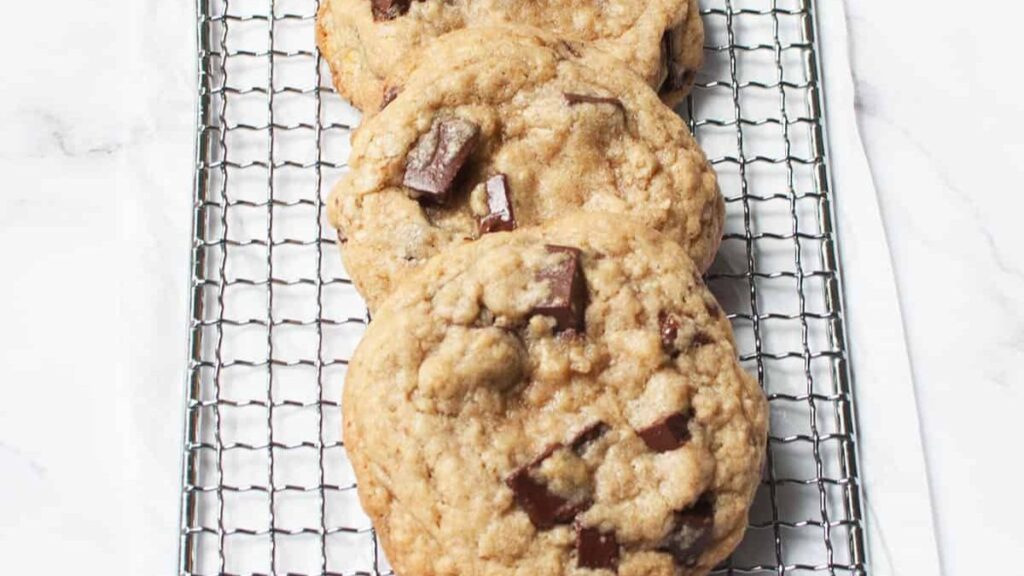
(553, 400)
(372, 45)
(512, 128)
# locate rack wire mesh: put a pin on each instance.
(266, 484)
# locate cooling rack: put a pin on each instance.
(266, 484)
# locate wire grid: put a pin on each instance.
(266, 484)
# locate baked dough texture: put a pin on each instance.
(567, 126)
(661, 40)
(462, 397)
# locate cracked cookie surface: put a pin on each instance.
(513, 131)
(372, 45)
(502, 420)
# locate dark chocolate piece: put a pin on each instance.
(587, 436)
(500, 215)
(389, 9)
(435, 161)
(669, 326)
(595, 549)
(544, 507)
(567, 300)
(702, 338)
(667, 434)
(573, 99)
(342, 238)
(390, 94)
(571, 335)
(691, 533)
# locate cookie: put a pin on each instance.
(514, 128)
(372, 45)
(551, 401)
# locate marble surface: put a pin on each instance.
(97, 148)
(940, 114)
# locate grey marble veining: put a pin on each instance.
(97, 106)
(940, 112)
(96, 151)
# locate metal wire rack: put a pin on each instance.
(266, 484)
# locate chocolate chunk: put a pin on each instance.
(500, 216)
(389, 96)
(435, 161)
(571, 335)
(342, 238)
(574, 99)
(567, 300)
(669, 326)
(544, 507)
(587, 436)
(666, 434)
(595, 549)
(389, 9)
(702, 338)
(691, 533)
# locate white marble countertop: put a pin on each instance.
(940, 111)
(97, 113)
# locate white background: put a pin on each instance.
(96, 110)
